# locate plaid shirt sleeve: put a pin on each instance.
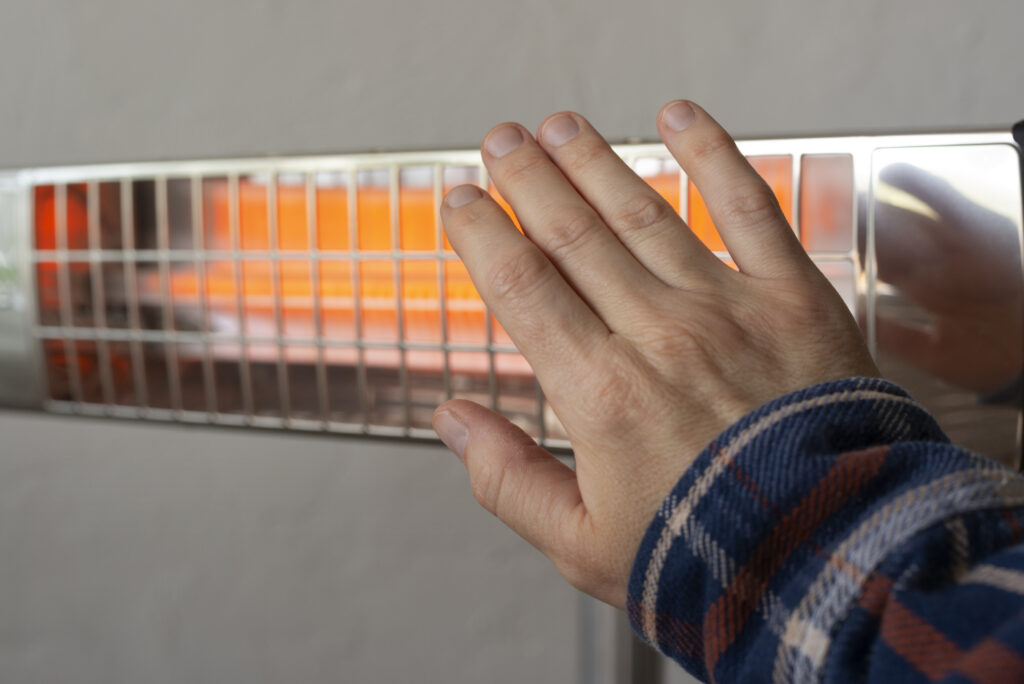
(835, 534)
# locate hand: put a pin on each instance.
(961, 265)
(646, 345)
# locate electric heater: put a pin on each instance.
(319, 293)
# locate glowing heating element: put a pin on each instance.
(320, 293)
(287, 276)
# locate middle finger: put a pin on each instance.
(643, 220)
(559, 221)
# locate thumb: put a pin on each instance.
(526, 487)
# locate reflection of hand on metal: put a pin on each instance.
(646, 345)
(960, 263)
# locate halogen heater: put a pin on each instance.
(319, 293)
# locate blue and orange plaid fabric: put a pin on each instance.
(835, 534)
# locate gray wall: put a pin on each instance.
(136, 553)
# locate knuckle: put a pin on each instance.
(710, 145)
(486, 486)
(569, 232)
(618, 398)
(699, 349)
(588, 152)
(521, 166)
(754, 205)
(676, 345)
(641, 213)
(673, 342)
(521, 275)
(802, 303)
(494, 486)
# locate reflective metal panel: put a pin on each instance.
(949, 299)
(20, 375)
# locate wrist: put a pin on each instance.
(752, 481)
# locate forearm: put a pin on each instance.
(824, 523)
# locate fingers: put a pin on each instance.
(641, 218)
(526, 487)
(742, 206)
(546, 319)
(565, 226)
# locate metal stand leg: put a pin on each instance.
(609, 652)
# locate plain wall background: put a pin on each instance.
(136, 553)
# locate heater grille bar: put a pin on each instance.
(319, 293)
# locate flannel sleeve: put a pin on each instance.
(835, 534)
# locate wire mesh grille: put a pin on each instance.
(323, 300)
(321, 294)
(316, 299)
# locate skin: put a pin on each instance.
(646, 345)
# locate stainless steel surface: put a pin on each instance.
(949, 297)
(20, 368)
(606, 645)
(236, 360)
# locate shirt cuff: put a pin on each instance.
(757, 506)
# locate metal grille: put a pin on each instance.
(320, 293)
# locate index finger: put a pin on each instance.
(545, 317)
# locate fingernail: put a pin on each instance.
(453, 433)
(464, 194)
(678, 115)
(502, 141)
(560, 130)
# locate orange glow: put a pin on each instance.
(826, 203)
(374, 219)
(331, 217)
(667, 185)
(46, 218)
(416, 220)
(372, 282)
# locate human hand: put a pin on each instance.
(646, 345)
(960, 264)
